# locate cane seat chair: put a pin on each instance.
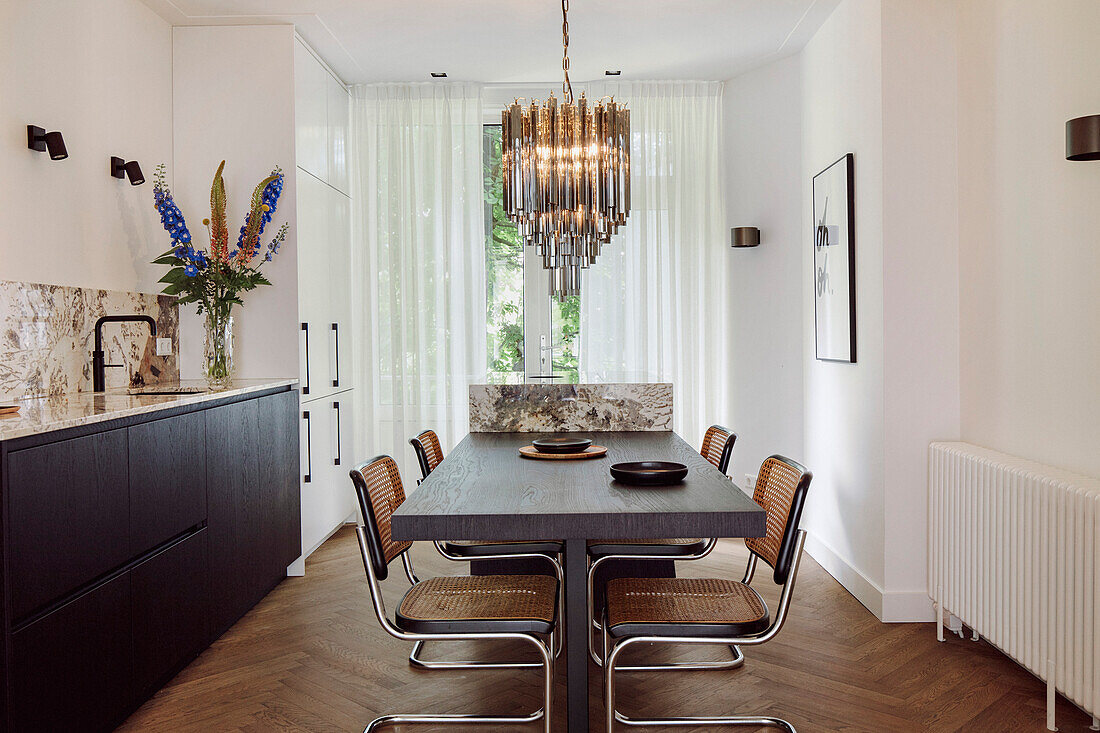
(429, 454)
(515, 607)
(713, 611)
(717, 448)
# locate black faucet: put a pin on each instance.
(98, 367)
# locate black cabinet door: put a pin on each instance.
(236, 512)
(71, 670)
(68, 517)
(167, 479)
(170, 611)
(279, 457)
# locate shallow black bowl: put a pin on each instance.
(649, 473)
(561, 445)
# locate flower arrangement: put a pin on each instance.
(216, 277)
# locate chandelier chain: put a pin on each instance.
(566, 85)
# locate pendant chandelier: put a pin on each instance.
(566, 176)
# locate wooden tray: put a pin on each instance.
(593, 451)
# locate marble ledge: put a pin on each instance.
(46, 414)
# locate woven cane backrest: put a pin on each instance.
(781, 490)
(429, 454)
(718, 446)
(379, 490)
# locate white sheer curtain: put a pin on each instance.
(654, 306)
(419, 262)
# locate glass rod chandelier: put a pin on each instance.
(566, 176)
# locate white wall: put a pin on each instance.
(101, 73)
(763, 162)
(233, 90)
(842, 112)
(920, 280)
(1030, 228)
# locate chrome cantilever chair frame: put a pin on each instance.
(556, 638)
(380, 611)
(415, 658)
(738, 656)
(612, 650)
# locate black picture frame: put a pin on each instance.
(834, 283)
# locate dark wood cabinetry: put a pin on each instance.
(65, 500)
(128, 549)
(168, 477)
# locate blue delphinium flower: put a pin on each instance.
(191, 270)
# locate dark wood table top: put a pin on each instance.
(485, 490)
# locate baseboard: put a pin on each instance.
(298, 567)
(865, 591)
(887, 606)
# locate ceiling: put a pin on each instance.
(519, 41)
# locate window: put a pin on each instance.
(531, 336)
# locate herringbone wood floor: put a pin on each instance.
(311, 657)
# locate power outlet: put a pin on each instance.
(164, 347)
(750, 481)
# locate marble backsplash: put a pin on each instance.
(47, 333)
(537, 408)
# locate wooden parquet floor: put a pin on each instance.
(312, 657)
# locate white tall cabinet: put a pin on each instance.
(321, 108)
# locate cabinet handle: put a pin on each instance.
(336, 331)
(305, 387)
(309, 450)
(336, 460)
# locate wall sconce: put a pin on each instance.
(1083, 138)
(40, 140)
(744, 237)
(131, 170)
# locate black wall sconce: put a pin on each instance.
(744, 237)
(40, 140)
(1083, 138)
(131, 170)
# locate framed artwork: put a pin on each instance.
(834, 262)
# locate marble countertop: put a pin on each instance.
(44, 414)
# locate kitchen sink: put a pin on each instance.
(165, 390)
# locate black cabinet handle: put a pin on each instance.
(305, 387)
(309, 450)
(336, 460)
(336, 331)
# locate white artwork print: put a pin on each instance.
(833, 264)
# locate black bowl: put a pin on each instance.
(649, 473)
(561, 445)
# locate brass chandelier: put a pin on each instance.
(566, 176)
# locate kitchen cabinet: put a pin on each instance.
(68, 517)
(167, 479)
(324, 301)
(71, 670)
(132, 544)
(170, 611)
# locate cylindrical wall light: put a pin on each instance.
(40, 140)
(1083, 138)
(131, 170)
(744, 237)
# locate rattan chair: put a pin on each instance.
(429, 454)
(712, 611)
(717, 447)
(517, 607)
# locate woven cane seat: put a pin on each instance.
(480, 604)
(488, 548)
(699, 607)
(668, 547)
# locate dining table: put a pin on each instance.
(485, 490)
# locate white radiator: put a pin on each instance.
(1013, 554)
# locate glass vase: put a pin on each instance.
(218, 347)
